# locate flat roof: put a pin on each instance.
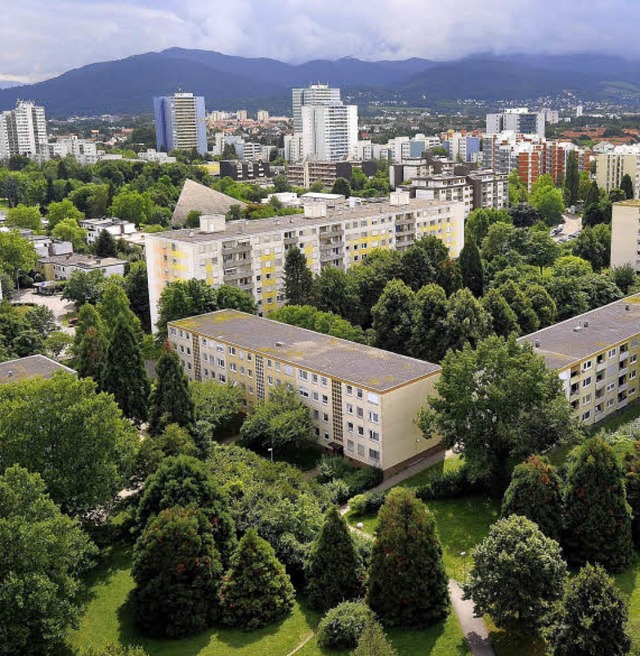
(247, 227)
(569, 342)
(361, 365)
(631, 202)
(33, 366)
(84, 261)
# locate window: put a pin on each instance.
(314, 378)
(316, 430)
(374, 455)
(612, 352)
(220, 362)
(250, 373)
(223, 378)
(324, 381)
(232, 366)
(325, 399)
(269, 364)
(360, 449)
(374, 435)
(181, 348)
(361, 431)
(326, 435)
(350, 445)
(303, 374)
(288, 369)
(277, 366)
(270, 380)
(349, 390)
(586, 382)
(360, 413)
(220, 348)
(587, 365)
(325, 417)
(232, 350)
(586, 415)
(610, 402)
(349, 408)
(586, 399)
(316, 414)
(359, 393)
(304, 393)
(249, 358)
(242, 370)
(350, 427)
(315, 396)
(374, 417)
(189, 366)
(611, 387)
(633, 359)
(633, 374)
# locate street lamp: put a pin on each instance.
(270, 450)
(464, 566)
(417, 442)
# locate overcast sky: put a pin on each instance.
(43, 38)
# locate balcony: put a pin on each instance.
(623, 388)
(601, 366)
(624, 355)
(622, 404)
(574, 391)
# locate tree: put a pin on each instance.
(298, 279)
(91, 354)
(75, 438)
(593, 197)
(59, 211)
(472, 414)
(309, 317)
(407, 579)
(114, 305)
(624, 276)
(428, 324)
(22, 216)
(216, 404)
(235, 299)
(333, 291)
(181, 299)
(256, 590)
(193, 219)
(185, 481)
(105, 245)
(524, 215)
(594, 246)
(504, 320)
(16, 253)
(69, 230)
(281, 184)
(549, 202)
(571, 179)
(373, 642)
(125, 375)
(477, 225)
(136, 286)
(56, 343)
(416, 268)
(41, 319)
(333, 570)
(535, 492)
(591, 619)
(341, 186)
(471, 268)
(177, 571)
(170, 401)
(617, 195)
(44, 553)
(518, 192)
(342, 626)
(598, 517)
(88, 317)
(393, 317)
(627, 186)
(521, 305)
(467, 322)
(281, 422)
(132, 206)
(84, 287)
(517, 574)
(542, 303)
(541, 250)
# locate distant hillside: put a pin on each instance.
(127, 85)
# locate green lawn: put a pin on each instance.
(423, 477)
(108, 620)
(612, 423)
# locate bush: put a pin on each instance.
(339, 491)
(332, 467)
(343, 625)
(364, 479)
(450, 485)
(370, 502)
(358, 479)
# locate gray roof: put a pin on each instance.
(563, 344)
(82, 261)
(345, 213)
(33, 366)
(361, 365)
(205, 200)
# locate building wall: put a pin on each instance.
(625, 235)
(373, 428)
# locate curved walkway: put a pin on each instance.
(474, 628)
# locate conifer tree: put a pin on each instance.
(125, 375)
(407, 580)
(88, 317)
(593, 195)
(393, 317)
(471, 268)
(591, 619)
(256, 591)
(177, 571)
(572, 179)
(170, 401)
(105, 245)
(598, 517)
(373, 642)
(91, 354)
(333, 569)
(185, 481)
(626, 184)
(113, 304)
(535, 492)
(298, 279)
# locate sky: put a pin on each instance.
(43, 38)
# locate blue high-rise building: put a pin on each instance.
(180, 123)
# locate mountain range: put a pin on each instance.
(126, 86)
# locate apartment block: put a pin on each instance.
(23, 131)
(180, 122)
(596, 357)
(250, 254)
(625, 234)
(363, 400)
(612, 166)
(304, 174)
(241, 170)
(519, 120)
(117, 228)
(61, 267)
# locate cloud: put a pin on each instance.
(39, 42)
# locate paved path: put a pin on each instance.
(59, 306)
(474, 628)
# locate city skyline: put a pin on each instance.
(296, 31)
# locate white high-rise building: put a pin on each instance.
(519, 120)
(324, 127)
(23, 131)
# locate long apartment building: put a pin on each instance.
(625, 234)
(596, 357)
(250, 254)
(363, 400)
(612, 166)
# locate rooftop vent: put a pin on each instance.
(627, 307)
(191, 233)
(577, 329)
(586, 324)
(9, 374)
(279, 344)
(537, 343)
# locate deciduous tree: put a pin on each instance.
(393, 317)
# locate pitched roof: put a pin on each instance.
(33, 366)
(195, 196)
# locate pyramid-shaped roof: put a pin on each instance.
(205, 200)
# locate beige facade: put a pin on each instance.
(363, 401)
(250, 254)
(625, 234)
(611, 167)
(596, 357)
